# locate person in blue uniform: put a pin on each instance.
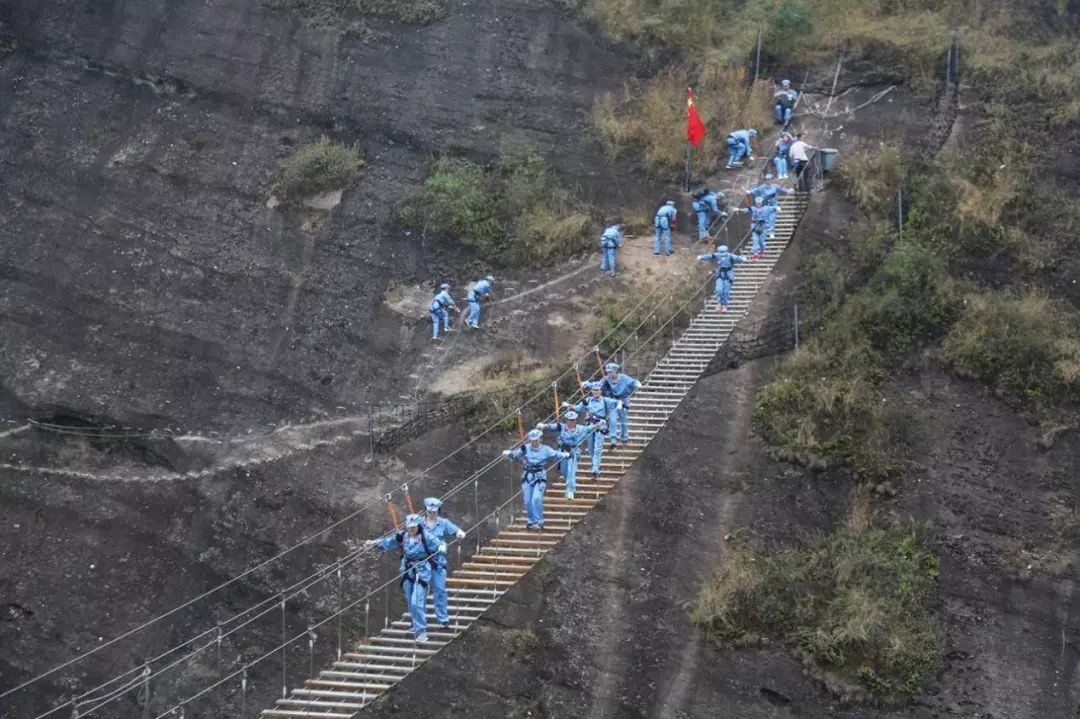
(418, 550)
(442, 529)
(571, 435)
(535, 458)
(619, 387)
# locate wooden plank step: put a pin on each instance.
(301, 714)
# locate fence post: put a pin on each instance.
(371, 433)
(757, 57)
(900, 211)
(796, 325)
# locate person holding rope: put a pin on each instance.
(707, 206)
(535, 458)
(619, 387)
(571, 435)
(761, 215)
(770, 192)
(440, 528)
(418, 555)
(597, 409)
(480, 291)
(725, 273)
(440, 310)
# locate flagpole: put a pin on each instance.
(686, 173)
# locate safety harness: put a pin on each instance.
(412, 566)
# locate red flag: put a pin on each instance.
(695, 129)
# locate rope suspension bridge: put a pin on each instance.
(490, 565)
(376, 664)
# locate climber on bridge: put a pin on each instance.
(770, 192)
(535, 458)
(439, 310)
(707, 206)
(619, 387)
(760, 217)
(725, 273)
(785, 103)
(610, 241)
(738, 145)
(418, 552)
(597, 409)
(480, 291)
(665, 220)
(780, 155)
(440, 528)
(571, 435)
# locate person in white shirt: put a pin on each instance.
(800, 157)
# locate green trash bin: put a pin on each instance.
(828, 158)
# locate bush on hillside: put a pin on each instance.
(1027, 346)
(871, 173)
(858, 603)
(513, 211)
(650, 120)
(320, 166)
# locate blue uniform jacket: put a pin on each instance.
(611, 239)
(413, 552)
(622, 388)
(725, 261)
(479, 291)
(535, 460)
(443, 530)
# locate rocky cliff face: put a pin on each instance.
(144, 277)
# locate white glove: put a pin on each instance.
(619, 404)
(371, 543)
(567, 404)
(442, 549)
(506, 453)
(541, 425)
(461, 534)
(564, 455)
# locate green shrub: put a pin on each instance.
(857, 602)
(509, 384)
(513, 211)
(1028, 347)
(520, 643)
(321, 166)
(790, 26)
(824, 410)
(871, 173)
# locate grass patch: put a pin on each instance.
(856, 604)
(520, 644)
(7, 47)
(507, 385)
(513, 211)
(824, 410)
(871, 173)
(613, 334)
(1027, 347)
(648, 120)
(320, 166)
